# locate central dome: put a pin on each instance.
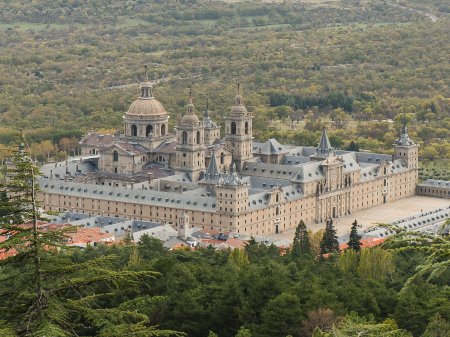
(146, 107)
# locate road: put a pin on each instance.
(432, 17)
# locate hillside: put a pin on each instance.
(67, 66)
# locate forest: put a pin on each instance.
(353, 65)
(400, 288)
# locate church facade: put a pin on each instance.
(230, 183)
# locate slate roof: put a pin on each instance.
(270, 147)
(213, 172)
(435, 183)
(272, 171)
(194, 199)
(93, 139)
(131, 148)
(166, 147)
(324, 147)
(161, 232)
(294, 160)
(73, 167)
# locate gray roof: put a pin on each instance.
(73, 167)
(208, 123)
(368, 157)
(212, 173)
(309, 172)
(435, 183)
(272, 146)
(191, 200)
(271, 171)
(294, 160)
(324, 147)
(161, 232)
(93, 139)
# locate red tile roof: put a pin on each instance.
(85, 236)
(365, 243)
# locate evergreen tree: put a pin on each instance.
(329, 242)
(43, 292)
(437, 327)
(301, 245)
(355, 238)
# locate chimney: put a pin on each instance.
(150, 177)
(51, 174)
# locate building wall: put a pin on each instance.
(211, 135)
(125, 164)
(433, 191)
(283, 214)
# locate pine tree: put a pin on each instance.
(301, 245)
(43, 292)
(355, 238)
(329, 242)
(19, 224)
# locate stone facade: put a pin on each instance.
(230, 184)
(434, 188)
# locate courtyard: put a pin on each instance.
(370, 217)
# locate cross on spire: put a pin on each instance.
(404, 128)
(238, 96)
(190, 106)
(146, 72)
(206, 115)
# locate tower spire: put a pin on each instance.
(324, 147)
(206, 114)
(405, 127)
(190, 106)
(238, 96)
(213, 171)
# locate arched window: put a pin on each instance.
(233, 128)
(198, 137)
(163, 130)
(184, 138)
(222, 158)
(133, 130)
(277, 198)
(277, 211)
(148, 130)
(246, 128)
(115, 156)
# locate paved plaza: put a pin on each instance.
(382, 214)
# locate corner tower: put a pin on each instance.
(232, 200)
(238, 132)
(406, 150)
(190, 156)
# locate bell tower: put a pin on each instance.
(190, 156)
(238, 132)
